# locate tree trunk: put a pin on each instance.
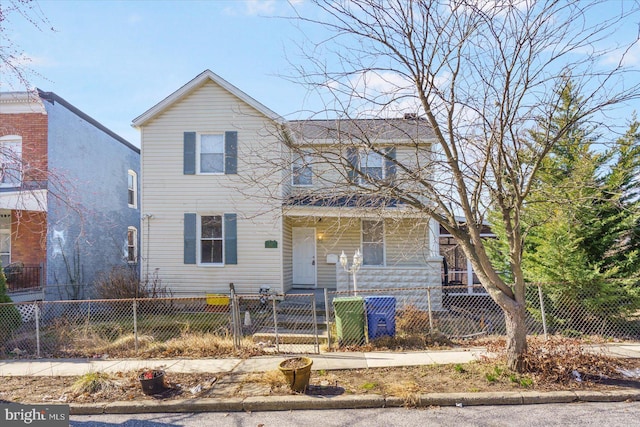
(516, 337)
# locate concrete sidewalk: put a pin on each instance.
(325, 361)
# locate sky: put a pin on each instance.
(116, 59)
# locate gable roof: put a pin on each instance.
(192, 85)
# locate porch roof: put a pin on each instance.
(343, 201)
(354, 205)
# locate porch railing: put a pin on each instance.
(23, 277)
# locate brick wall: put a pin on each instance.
(29, 229)
(32, 127)
(28, 237)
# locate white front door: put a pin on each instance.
(304, 256)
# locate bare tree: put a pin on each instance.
(14, 63)
(482, 75)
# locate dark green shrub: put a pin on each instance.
(10, 318)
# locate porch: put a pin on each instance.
(24, 277)
(397, 251)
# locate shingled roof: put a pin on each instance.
(379, 130)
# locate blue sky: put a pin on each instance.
(116, 59)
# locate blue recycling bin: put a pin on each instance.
(381, 316)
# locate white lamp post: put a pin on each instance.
(355, 266)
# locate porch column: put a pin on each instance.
(434, 238)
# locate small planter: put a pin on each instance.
(297, 371)
(217, 303)
(152, 382)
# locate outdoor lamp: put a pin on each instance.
(355, 266)
(343, 260)
(357, 259)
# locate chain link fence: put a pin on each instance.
(228, 325)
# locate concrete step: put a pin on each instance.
(291, 337)
(297, 319)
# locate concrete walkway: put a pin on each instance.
(325, 361)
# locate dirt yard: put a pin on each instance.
(406, 382)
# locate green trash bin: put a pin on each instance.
(350, 320)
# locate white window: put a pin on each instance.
(301, 169)
(372, 242)
(132, 189)
(211, 239)
(211, 153)
(5, 238)
(132, 245)
(371, 164)
(10, 161)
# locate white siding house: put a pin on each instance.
(225, 198)
(202, 226)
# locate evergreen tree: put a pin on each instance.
(10, 318)
(583, 223)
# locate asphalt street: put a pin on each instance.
(623, 414)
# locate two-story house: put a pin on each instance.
(69, 203)
(233, 193)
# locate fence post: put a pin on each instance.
(235, 317)
(275, 323)
(542, 312)
(37, 312)
(430, 312)
(326, 317)
(315, 322)
(135, 324)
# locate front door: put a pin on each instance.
(304, 256)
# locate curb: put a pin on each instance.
(362, 401)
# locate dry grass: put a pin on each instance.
(274, 379)
(409, 383)
(411, 320)
(200, 345)
(95, 382)
(85, 342)
(409, 391)
(125, 345)
(405, 341)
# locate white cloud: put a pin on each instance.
(628, 58)
(495, 8)
(260, 7)
(382, 94)
(377, 94)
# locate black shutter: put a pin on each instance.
(231, 152)
(230, 239)
(190, 238)
(189, 153)
(389, 164)
(352, 158)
